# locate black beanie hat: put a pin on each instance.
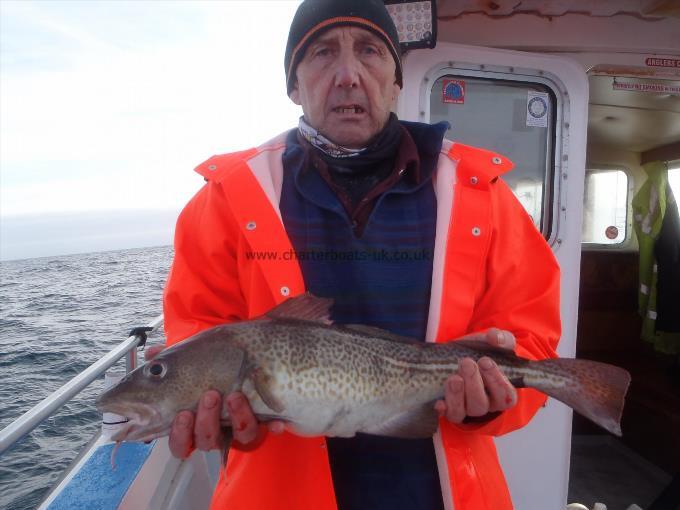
(316, 16)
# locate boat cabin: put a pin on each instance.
(584, 97)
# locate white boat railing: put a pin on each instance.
(16, 430)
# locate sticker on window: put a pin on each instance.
(453, 91)
(537, 108)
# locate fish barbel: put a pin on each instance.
(322, 379)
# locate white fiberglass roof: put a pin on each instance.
(639, 8)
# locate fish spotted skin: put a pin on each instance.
(324, 379)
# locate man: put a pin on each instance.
(441, 249)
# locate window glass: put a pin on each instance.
(513, 118)
(674, 180)
(605, 207)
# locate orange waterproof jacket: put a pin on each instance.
(491, 268)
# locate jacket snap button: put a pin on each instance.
(476, 231)
(285, 291)
(251, 225)
(473, 180)
(212, 167)
(496, 160)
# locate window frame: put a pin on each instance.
(624, 245)
(557, 141)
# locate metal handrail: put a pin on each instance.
(40, 412)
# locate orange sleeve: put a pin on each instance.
(203, 287)
(521, 295)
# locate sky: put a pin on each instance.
(107, 106)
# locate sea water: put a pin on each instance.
(58, 315)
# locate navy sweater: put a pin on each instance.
(382, 279)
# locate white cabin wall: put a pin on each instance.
(601, 155)
(536, 458)
(585, 41)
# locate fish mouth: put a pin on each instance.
(135, 421)
(135, 432)
(126, 420)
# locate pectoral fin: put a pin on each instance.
(262, 382)
(418, 423)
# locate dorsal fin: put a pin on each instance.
(307, 307)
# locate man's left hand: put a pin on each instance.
(480, 388)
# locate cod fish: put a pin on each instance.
(324, 379)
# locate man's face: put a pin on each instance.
(346, 85)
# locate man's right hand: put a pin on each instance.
(202, 430)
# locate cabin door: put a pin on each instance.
(533, 109)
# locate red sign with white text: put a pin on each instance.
(662, 62)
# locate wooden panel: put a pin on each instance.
(608, 316)
(665, 153)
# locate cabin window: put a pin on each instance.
(513, 118)
(605, 207)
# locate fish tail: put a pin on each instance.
(593, 389)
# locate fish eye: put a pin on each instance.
(156, 370)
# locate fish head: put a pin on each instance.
(149, 397)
